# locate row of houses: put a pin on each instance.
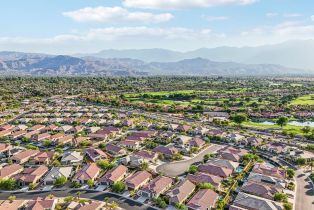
(260, 187)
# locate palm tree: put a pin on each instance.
(78, 194)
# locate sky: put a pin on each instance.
(87, 26)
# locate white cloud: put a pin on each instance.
(285, 15)
(115, 14)
(272, 14)
(179, 4)
(178, 38)
(216, 18)
(292, 15)
(312, 17)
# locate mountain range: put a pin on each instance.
(294, 54)
(294, 57)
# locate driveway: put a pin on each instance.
(304, 193)
(178, 168)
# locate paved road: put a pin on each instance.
(304, 193)
(177, 168)
(124, 203)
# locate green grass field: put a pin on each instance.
(304, 100)
(297, 130)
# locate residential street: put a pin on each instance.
(304, 193)
(124, 203)
(177, 168)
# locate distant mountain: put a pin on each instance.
(295, 54)
(14, 63)
(61, 65)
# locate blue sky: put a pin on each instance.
(78, 26)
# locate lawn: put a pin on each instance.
(304, 100)
(297, 130)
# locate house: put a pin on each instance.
(184, 128)
(148, 156)
(234, 137)
(5, 133)
(199, 178)
(21, 127)
(274, 147)
(17, 135)
(173, 127)
(88, 172)
(138, 180)
(87, 205)
(130, 144)
(196, 142)
(57, 172)
(5, 150)
(41, 204)
(77, 141)
(217, 115)
(31, 175)
(259, 189)
(252, 202)
(200, 131)
(167, 151)
(77, 129)
(215, 170)
(95, 154)
(42, 158)
(262, 168)
(267, 180)
(51, 128)
(231, 153)
(41, 137)
(10, 170)
(72, 158)
(36, 128)
(6, 127)
(24, 156)
(115, 150)
(114, 175)
(65, 139)
(204, 199)
(16, 204)
(181, 192)
(156, 187)
(224, 163)
(182, 141)
(252, 141)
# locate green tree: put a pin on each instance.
(282, 121)
(280, 197)
(239, 118)
(118, 187)
(193, 169)
(301, 161)
(60, 181)
(206, 186)
(90, 183)
(290, 173)
(8, 184)
(287, 206)
(105, 164)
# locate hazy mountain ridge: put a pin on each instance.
(295, 54)
(63, 65)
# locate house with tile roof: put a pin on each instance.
(88, 172)
(181, 192)
(156, 187)
(204, 199)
